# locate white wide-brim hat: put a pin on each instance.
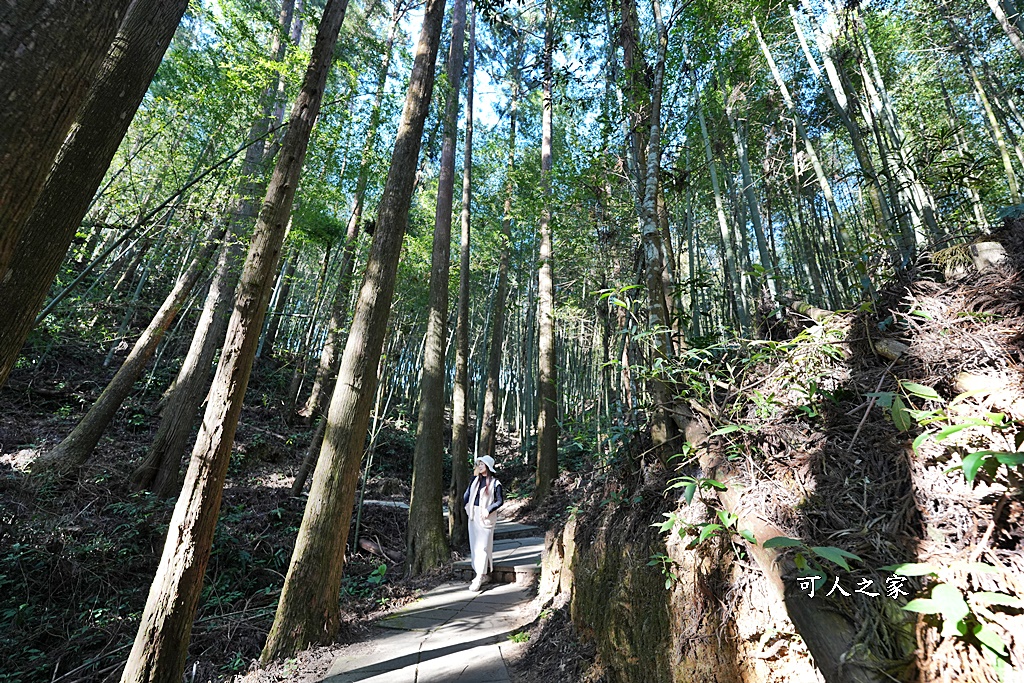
(487, 460)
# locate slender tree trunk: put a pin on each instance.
(160, 470)
(308, 609)
(836, 94)
(427, 546)
(65, 197)
(819, 170)
(489, 415)
(662, 426)
(1010, 28)
(457, 522)
(76, 448)
(767, 262)
(50, 54)
(732, 276)
(330, 355)
(302, 357)
(158, 655)
(274, 324)
(547, 388)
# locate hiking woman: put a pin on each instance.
(482, 500)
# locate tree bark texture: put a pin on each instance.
(80, 166)
(50, 53)
(458, 532)
(158, 654)
(426, 544)
(547, 389)
(308, 610)
(78, 446)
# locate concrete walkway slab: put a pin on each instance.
(451, 634)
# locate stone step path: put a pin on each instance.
(515, 560)
(449, 635)
(517, 550)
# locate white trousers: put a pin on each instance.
(481, 546)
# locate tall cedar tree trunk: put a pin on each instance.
(80, 166)
(308, 610)
(458, 531)
(488, 422)
(50, 53)
(330, 356)
(76, 448)
(426, 544)
(547, 389)
(158, 655)
(160, 470)
(662, 427)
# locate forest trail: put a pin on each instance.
(450, 634)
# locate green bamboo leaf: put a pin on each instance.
(748, 535)
(923, 606)
(950, 602)
(706, 531)
(949, 431)
(782, 542)
(912, 569)
(835, 555)
(728, 518)
(728, 429)
(921, 391)
(920, 440)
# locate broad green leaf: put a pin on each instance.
(748, 535)
(782, 542)
(728, 518)
(834, 555)
(882, 398)
(921, 391)
(1010, 459)
(706, 531)
(688, 492)
(950, 602)
(990, 639)
(900, 417)
(713, 483)
(972, 462)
